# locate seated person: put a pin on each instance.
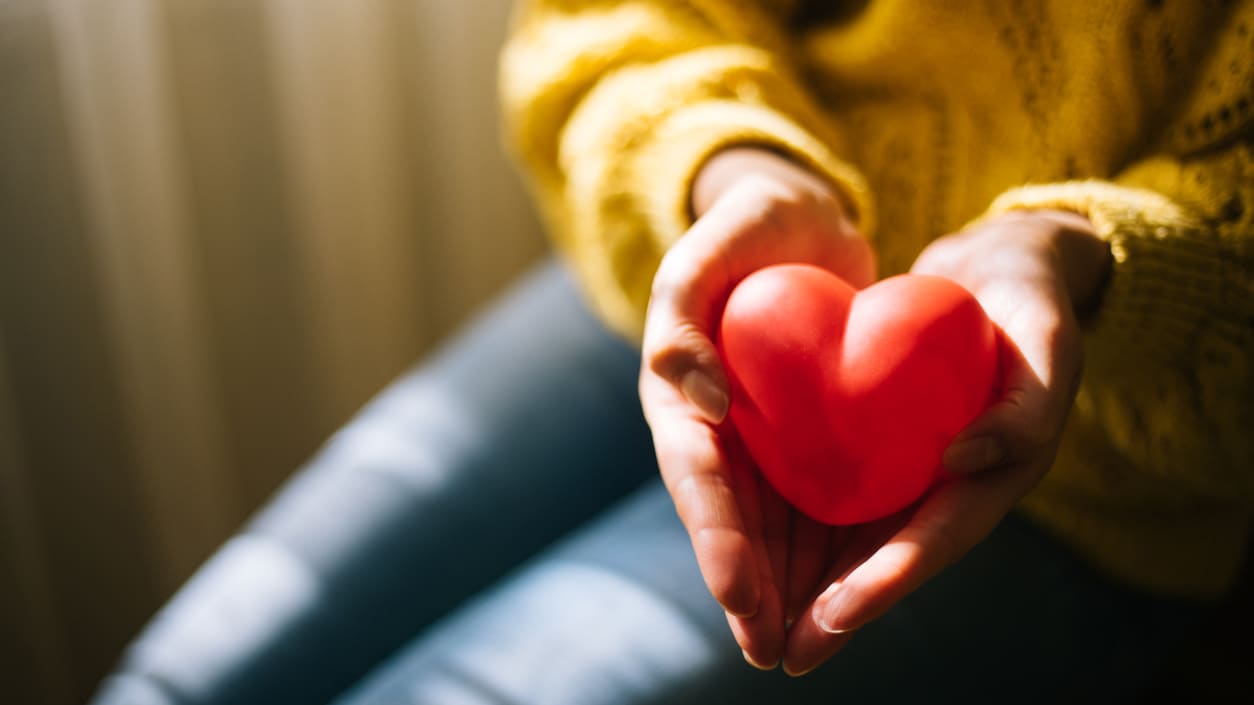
(493, 528)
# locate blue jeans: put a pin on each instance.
(491, 530)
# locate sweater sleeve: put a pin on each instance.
(612, 107)
(1169, 370)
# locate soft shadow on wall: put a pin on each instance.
(224, 224)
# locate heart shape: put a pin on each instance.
(846, 399)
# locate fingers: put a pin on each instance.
(678, 349)
(695, 470)
(808, 644)
(809, 647)
(1017, 434)
(1015, 276)
(1042, 359)
(689, 287)
(743, 232)
(762, 635)
(776, 533)
(1018, 268)
(739, 535)
(807, 563)
(948, 524)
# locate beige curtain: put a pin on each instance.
(224, 224)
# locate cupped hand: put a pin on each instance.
(1033, 272)
(753, 208)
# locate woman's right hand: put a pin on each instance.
(760, 559)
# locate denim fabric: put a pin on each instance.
(491, 530)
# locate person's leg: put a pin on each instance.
(617, 615)
(520, 429)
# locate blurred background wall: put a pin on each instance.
(224, 224)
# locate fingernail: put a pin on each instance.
(792, 671)
(749, 660)
(973, 455)
(704, 394)
(831, 614)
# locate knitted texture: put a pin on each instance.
(926, 115)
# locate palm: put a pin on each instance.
(877, 563)
(762, 560)
(864, 570)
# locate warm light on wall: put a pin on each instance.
(224, 224)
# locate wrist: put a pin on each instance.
(726, 168)
(1083, 257)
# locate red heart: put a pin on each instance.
(846, 399)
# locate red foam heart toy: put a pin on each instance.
(846, 399)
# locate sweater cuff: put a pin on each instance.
(682, 144)
(1162, 280)
(664, 168)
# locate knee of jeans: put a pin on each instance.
(560, 633)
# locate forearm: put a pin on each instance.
(727, 167)
(1170, 339)
(614, 132)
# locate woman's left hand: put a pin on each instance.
(1032, 271)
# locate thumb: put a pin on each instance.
(1025, 423)
(686, 358)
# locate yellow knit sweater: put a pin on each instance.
(928, 114)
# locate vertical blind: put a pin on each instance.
(224, 224)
